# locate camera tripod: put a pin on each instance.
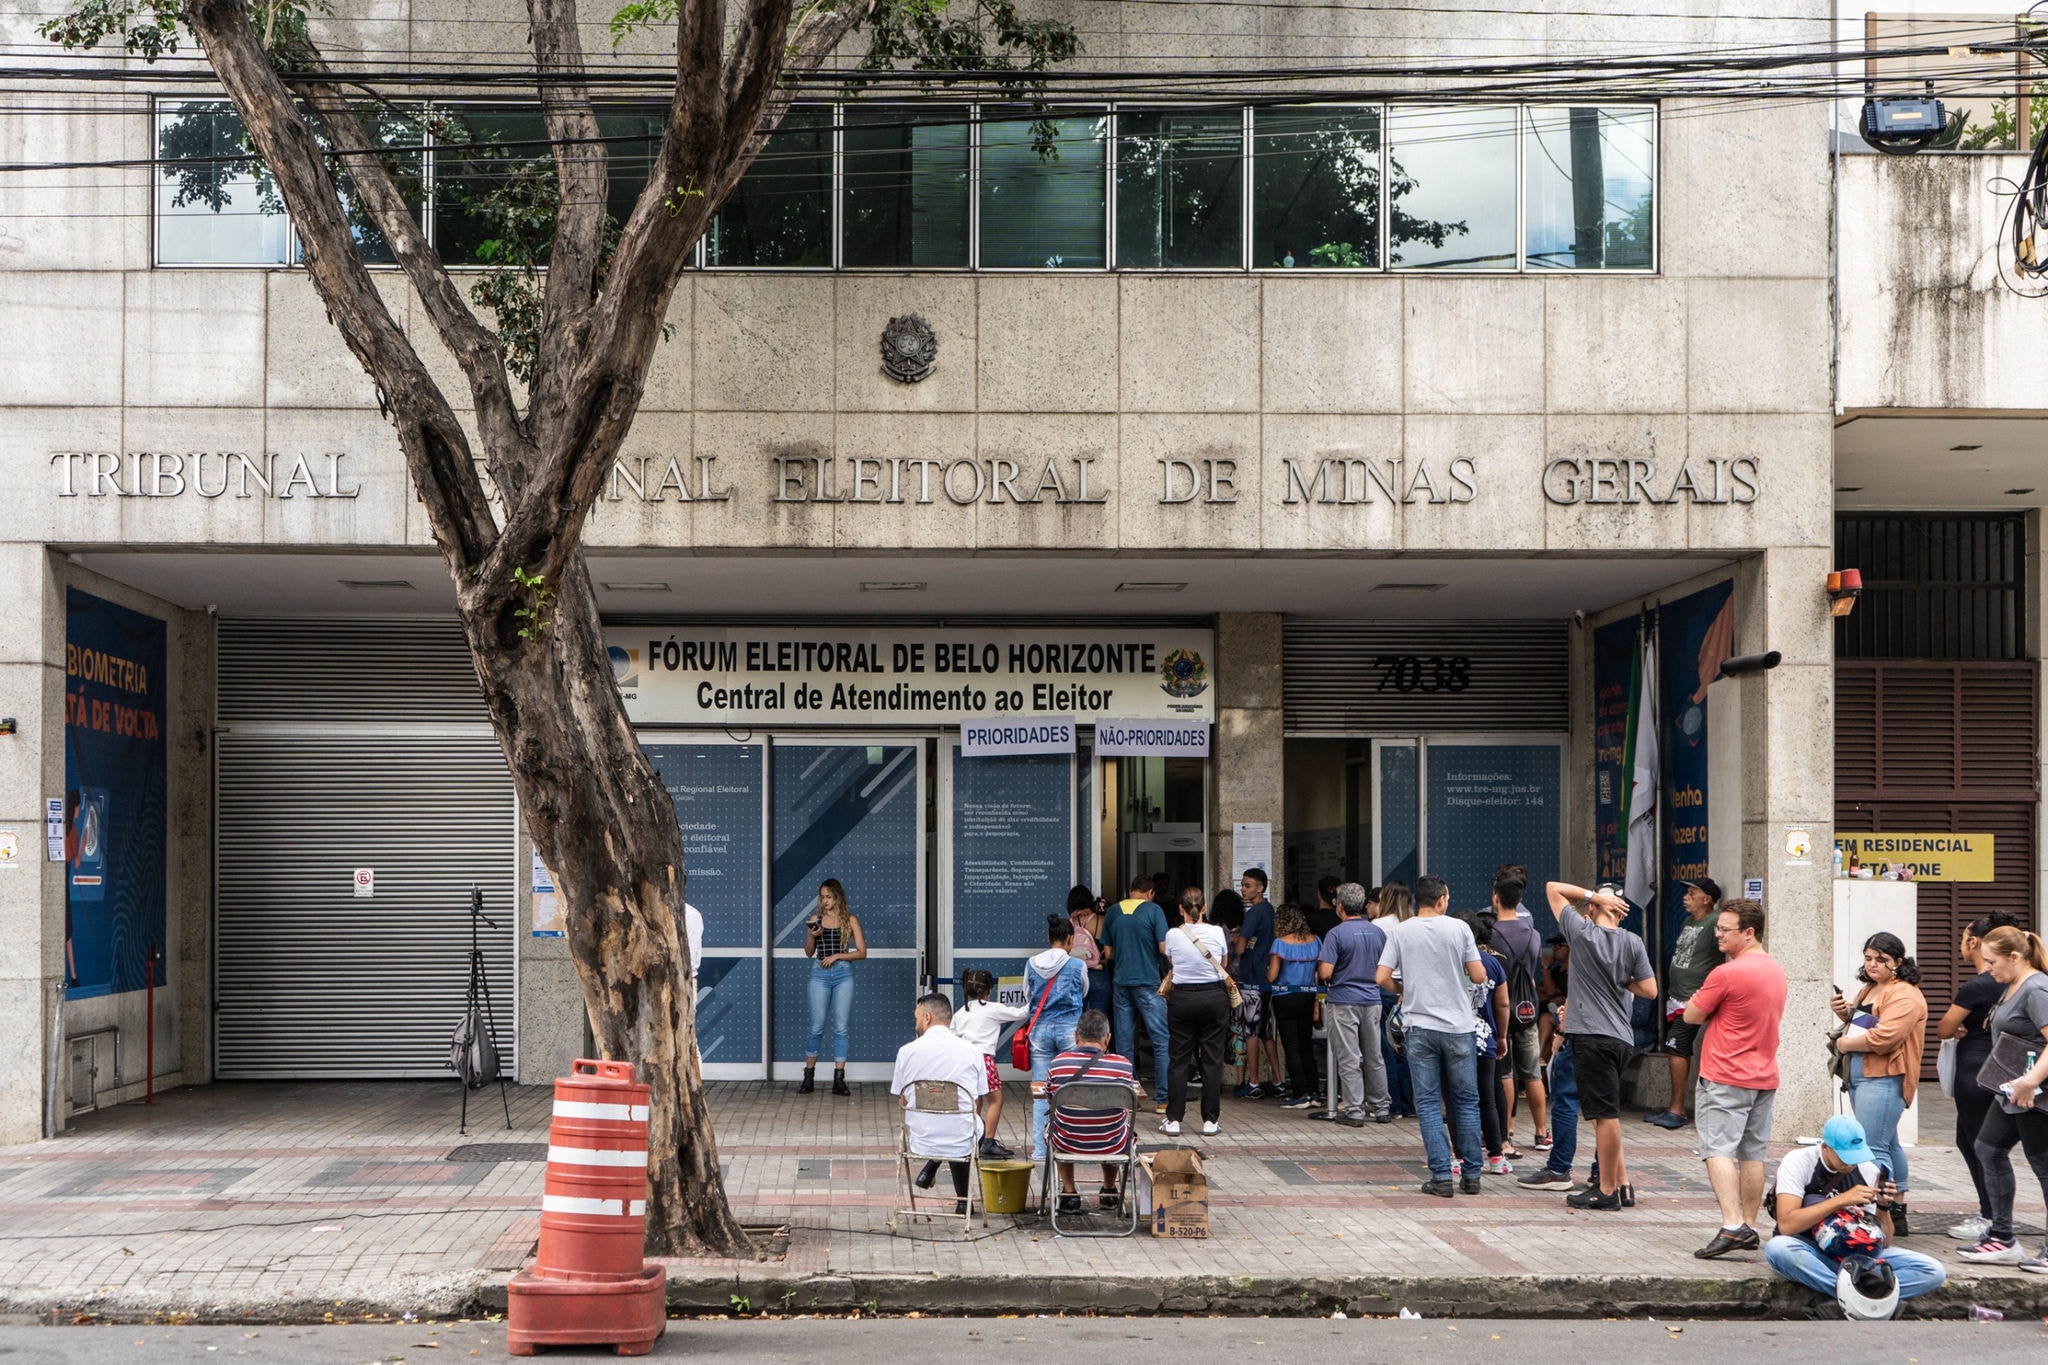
(480, 991)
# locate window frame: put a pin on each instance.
(1111, 111)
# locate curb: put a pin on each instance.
(692, 1291)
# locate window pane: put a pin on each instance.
(632, 141)
(1179, 190)
(1316, 188)
(213, 212)
(780, 214)
(1451, 183)
(1589, 175)
(386, 126)
(1045, 211)
(482, 156)
(906, 188)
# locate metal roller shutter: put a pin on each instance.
(342, 747)
(1407, 677)
(1951, 747)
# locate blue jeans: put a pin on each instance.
(1800, 1261)
(1564, 1110)
(1098, 991)
(1132, 1003)
(1045, 1045)
(1440, 1063)
(1878, 1104)
(831, 986)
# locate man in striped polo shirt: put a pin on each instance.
(1089, 1130)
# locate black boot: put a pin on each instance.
(810, 1081)
(1899, 1228)
(839, 1086)
(926, 1177)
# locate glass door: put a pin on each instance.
(1008, 855)
(720, 791)
(853, 812)
(1461, 807)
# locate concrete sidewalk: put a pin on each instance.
(295, 1201)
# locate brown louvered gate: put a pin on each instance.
(1933, 746)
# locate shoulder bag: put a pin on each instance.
(1020, 1041)
(1236, 996)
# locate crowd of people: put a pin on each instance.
(1467, 1021)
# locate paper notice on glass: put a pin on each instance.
(547, 902)
(1251, 845)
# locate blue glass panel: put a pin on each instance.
(1400, 832)
(884, 996)
(717, 791)
(1010, 965)
(1013, 821)
(729, 1008)
(848, 811)
(1491, 804)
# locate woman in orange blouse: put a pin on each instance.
(1884, 1056)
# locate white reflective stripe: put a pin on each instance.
(565, 1203)
(638, 1208)
(586, 1109)
(591, 1156)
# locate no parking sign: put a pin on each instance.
(366, 883)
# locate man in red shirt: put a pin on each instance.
(1741, 1004)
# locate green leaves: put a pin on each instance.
(533, 611)
(149, 29)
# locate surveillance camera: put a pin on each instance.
(1579, 619)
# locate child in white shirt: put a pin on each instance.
(980, 1021)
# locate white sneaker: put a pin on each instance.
(1210, 1128)
(1169, 1127)
(1988, 1252)
(1970, 1231)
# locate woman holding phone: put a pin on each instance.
(832, 939)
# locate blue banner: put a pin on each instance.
(1012, 847)
(1614, 655)
(1695, 634)
(1490, 805)
(717, 792)
(115, 804)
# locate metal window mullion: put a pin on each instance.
(1656, 189)
(1386, 192)
(1522, 123)
(429, 175)
(1244, 180)
(1113, 133)
(837, 255)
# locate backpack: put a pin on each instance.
(472, 1053)
(1522, 1004)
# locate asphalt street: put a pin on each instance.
(888, 1342)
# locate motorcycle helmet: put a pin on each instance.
(1866, 1289)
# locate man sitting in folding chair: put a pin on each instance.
(939, 1077)
(1077, 1131)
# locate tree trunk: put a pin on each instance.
(605, 824)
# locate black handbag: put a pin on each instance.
(2007, 1062)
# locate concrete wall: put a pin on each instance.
(1926, 321)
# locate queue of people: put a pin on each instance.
(1467, 1021)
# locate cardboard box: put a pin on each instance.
(1173, 1193)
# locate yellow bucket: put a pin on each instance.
(1006, 1185)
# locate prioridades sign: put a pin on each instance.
(924, 676)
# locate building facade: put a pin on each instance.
(1323, 530)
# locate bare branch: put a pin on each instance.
(581, 167)
(436, 449)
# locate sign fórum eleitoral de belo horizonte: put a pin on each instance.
(911, 675)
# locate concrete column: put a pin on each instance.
(1247, 767)
(31, 892)
(1788, 736)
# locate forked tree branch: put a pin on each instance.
(582, 174)
(436, 448)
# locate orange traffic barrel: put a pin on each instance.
(593, 1219)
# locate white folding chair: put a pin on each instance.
(1093, 1095)
(941, 1097)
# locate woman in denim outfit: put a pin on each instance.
(1055, 988)
(834, 938)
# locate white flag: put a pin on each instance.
(1641, 812)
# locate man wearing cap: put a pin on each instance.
(1694, 955)
(1609, 964)
(1829, 1198)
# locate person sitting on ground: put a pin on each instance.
(1090, 1130)
(938, 1054)
(1834, 1203)
(980, 1023)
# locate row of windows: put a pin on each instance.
(1352, 187)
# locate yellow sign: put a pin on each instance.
(1933, 857)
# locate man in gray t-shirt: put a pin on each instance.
(1609, 964)
(1439, 964)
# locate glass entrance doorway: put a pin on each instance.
(1456, 806)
